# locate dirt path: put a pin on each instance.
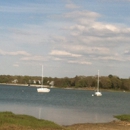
(118, 125)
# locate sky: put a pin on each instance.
(67, 37)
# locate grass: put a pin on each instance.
(9, 120)
(123, 117)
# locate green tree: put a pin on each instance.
(126, 84)
(116, 83)
(105, 82)
(81, 83)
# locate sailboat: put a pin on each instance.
(97, 93)
(42, 89)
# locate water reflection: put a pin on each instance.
(57, 115)
(71, 116)
(39, 113)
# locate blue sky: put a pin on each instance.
(69, 37)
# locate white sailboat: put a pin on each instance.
(97, 93)
(42, 89)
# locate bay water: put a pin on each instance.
(64, 106)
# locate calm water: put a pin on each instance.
(64, 106)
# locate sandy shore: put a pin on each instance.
(114, 125)
(32, 85)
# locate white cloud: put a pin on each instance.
(71, 6)
(57, 59)
(112, 58)
(101, 26)
(82, 15)
(87, 49)
(79, 62)
(15, 53)
(63, 53)
(33, 58)
(89, 36)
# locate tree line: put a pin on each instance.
(106, 82)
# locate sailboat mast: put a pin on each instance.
(98, 82)
(42, 76)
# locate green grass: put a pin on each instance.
(123, 117)
(8, 118)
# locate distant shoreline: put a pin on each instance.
(87, 88)
(32, 85)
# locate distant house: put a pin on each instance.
(39, 81)
(52, 83)
(34, 81)
(15, 81)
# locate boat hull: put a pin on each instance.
(98, 94)
(43, 90)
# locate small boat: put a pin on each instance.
(97, 93)
(42, 89)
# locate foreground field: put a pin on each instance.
(10, 121)
(118, 125)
